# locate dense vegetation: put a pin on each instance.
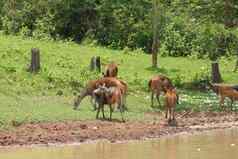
(187, 27)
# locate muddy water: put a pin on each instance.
(212, 145)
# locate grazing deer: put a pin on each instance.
(157, 85)
(111, 96)
(224, 91)
(171, 99)
(111, 70)
(94, 84)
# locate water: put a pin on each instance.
(212, 145)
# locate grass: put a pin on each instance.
(28, 98)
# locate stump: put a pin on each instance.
(216, 75)
(95, 64)
(35, 60)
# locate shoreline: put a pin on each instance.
(58, 145)
(70, 133)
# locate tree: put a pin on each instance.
(156, 42)
(158, 17)
(236, 66)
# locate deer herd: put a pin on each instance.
(111, 91)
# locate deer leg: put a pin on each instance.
(222, 102)
(111, 110)
(122, 118)
(99, 108)
(152, 99)
(103, 115)
(124, 103)
(173, 111)
(166, 112)
(170, 114)
(157, 97)
(232, 103)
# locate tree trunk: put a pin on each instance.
(236, 66)
(35, 60)
(227, 14)
(98, 63)
(95, 64)
(216, 75)
(155, 45)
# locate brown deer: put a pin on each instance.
(111, 70)
(157, 85)
(111, 96)
(225, 91)
(171, 100)
(94, 84)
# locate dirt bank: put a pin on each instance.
(81, 131)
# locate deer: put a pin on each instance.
(111, 70)
(171, 99)
(225, 91)
(157, 85)
(111, 96)
(94, 84)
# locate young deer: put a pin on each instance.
(111, 70)
(157, 85)
(224, 91)
(171, 99)
(111, 96)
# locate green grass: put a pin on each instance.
(32, 98)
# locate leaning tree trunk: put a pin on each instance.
(215, 74)
(236, 66)
(35, 60)
(155, 45)
(228, 16)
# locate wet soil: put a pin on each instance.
(82, 131)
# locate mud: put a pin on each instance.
(83, 131)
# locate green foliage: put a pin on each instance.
(188, 28)
(201, 78)
(178, 38)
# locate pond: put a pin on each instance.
(213, 145)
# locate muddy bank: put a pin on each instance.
(82, 131)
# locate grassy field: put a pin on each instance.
(33, 98)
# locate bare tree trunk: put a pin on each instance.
(228, 18)
(98, 63)
(155, 45)
(95, 64)
(216, 75)
(236, 66)
(35, 60)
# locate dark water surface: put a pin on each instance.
(221, 144)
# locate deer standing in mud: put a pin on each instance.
(157, 85)
(225, 91)
(171, 100)
(111, 96)
(94, 84)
